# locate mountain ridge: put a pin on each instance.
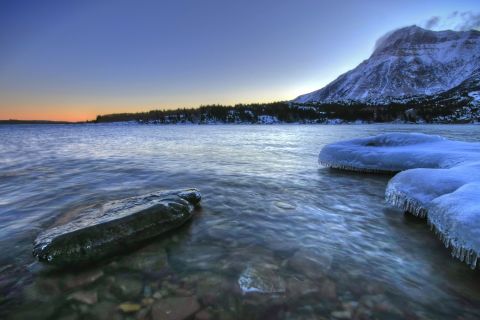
(407, 62)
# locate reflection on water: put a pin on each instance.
(277, 236)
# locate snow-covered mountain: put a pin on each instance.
(407, 62)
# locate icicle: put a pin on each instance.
(354, 169)
(401, 201)
(473, 265)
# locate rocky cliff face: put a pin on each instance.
(407, 62)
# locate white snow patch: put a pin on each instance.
(475, 95)
(267, 119)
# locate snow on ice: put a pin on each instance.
(440, 180)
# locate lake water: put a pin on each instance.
(320, 243)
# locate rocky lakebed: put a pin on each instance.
(272, 235)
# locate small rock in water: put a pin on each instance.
(108, 229)
(147, 301)
(211, 288)
(129, 307)
(82, 279)
(147, 291)
(42, 290)
(196, 256)
(203, 315)
(380, 303)
(104, 310)
(261, 280)
(328, 289)
(297, 288)
(87, 297)
(157, 295)
(127, 287)
(175, 308)
(344, 314)
(152, 258)
(311, 264)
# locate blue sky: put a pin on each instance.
(72, 60)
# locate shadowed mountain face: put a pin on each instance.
(407, 62)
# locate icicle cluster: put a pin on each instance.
(402, 201)
(355, 169)
(459, 249)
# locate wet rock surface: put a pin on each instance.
(107, 229)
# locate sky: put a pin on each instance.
(73, 60)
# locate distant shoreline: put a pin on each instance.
(39, 122)
(135, 123)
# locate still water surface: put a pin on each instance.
(311, 243)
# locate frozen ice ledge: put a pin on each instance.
(439, 179)
(107, 229)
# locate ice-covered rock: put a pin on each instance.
(440, 182)
(107, 229)
(449, 199)
(456, 218)
(414, 190)
(394, 152)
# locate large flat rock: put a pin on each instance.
(107, 229)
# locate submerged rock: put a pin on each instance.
(129, 307)
(150, 259)
(210, 287)
(298, 288)
(261, 279)
(127, 286)
(314, 265)
(87, 297)
(175, 308)
(344, 314)
(80, 279)
(104, 310)
(108, 229)
(203, 315)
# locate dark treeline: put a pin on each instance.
(240, 113)
(427, 109)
